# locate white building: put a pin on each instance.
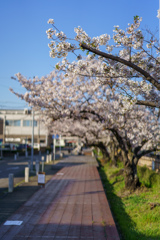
(16, 127)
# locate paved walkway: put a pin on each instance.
(10, 202)
(72, 206)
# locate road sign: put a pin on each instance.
(41, 178)
(55, 136)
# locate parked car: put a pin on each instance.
(8, 147)
(23, 147)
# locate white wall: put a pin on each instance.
(21, 130)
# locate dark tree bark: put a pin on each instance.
(103, 149)
(130, 166)
(113, 157)
(130, 173)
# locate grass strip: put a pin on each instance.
(137, 214)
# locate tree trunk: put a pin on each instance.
(119, 155)
(131, 178)
(113, 158)
(130, 167)
(130, 173)
(103, 149)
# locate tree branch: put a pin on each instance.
(144, 152)
(119, 138)
(148, 77)
(148, 103)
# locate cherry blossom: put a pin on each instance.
(158, 13)
(137, 63)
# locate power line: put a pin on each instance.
(11, 106)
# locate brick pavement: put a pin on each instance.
(72, 206)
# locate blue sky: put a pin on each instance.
(23, 39)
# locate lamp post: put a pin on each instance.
(60, 144)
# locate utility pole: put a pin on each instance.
(32, 148)
(4, 129)
(60, 144)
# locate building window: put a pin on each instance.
(28, 123)
(15, 123)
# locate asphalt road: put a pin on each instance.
(17, 167)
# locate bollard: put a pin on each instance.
(26, 174)
(37, 167)
(47, 159)
(10, 182)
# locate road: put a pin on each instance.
(16, 167)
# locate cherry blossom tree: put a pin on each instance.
(130, 62)
(137, 135)
(95, 96)
(84, 106)
(136, 132)
(90, 134)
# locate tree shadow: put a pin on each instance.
(55, 231)
(58, 219)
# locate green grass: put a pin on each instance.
(132, 212)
